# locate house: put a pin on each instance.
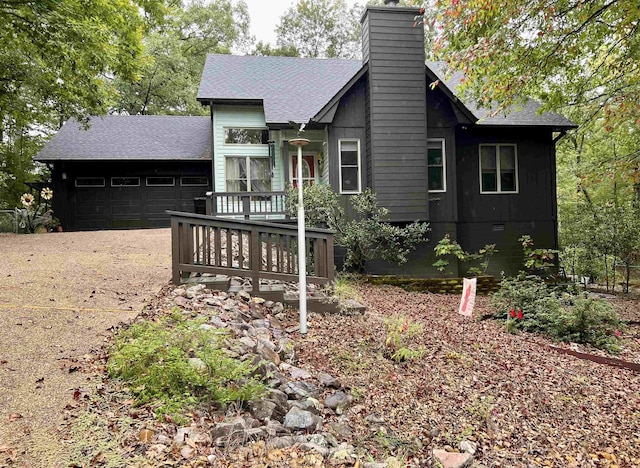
(374, 122)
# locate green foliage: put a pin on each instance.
(561, 316)
(449, 247)
(536, 260)
(366, 237)
(57, 58)
(36, 215)
(400, 334)
(153, 358)
(321, 29)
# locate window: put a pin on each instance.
(498, 169)
(247, 174)
(246, 136)
(349, 151)
(89, 181)
(125, 181)
(161, 181)
(194, 181)
(436, 166)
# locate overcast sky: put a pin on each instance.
(265, 16)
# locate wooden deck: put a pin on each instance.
(253, 249)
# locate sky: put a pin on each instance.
(265, 16)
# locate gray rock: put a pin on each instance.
(244, 295)
(302, 389)
(206, 326)
(274, 428)
(338, 402)
(281, 442)
(277, 308)
(268, 304)
(375, 465)
(225, 429)
(308, 404)
(296, 373)
(255, 433)
(308, 447)
(329, 381)
(287, 349)
(468, 447)
(197, 363)
(263, 410)
(261, 323)
(249, 344)
(213, 301)
(331, 439)
(182, 302)
(374, 418)
(298, 419)
(318, 439)
(217, 322)
(341, 430)
(179, 292)
(343, 454)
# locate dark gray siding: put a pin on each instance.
(91, 208)
(443, 206)
(397, 111)
(349, 122)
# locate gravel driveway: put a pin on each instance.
(59, 294)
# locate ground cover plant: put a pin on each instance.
(176, 364)
(528, 303)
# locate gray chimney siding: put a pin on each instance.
(397, 112)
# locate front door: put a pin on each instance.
(309, 169)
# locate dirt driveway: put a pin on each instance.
(59, 294)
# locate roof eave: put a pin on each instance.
(451, 95)
(322, 113)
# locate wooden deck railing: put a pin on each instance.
(258, 250)
(247, 204)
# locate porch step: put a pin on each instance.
(274, 293)
(323, 305)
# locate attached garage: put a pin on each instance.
(126, 171)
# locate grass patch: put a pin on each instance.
(175, 365)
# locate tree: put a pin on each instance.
(571, 54)
(321, 29)
(55, 60)
(175, 52)
(266, 49)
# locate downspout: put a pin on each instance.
(213, 155)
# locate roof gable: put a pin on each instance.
(526, 115)
(290, 88)
(131, 137)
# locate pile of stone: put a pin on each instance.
(298, 405)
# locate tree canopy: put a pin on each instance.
(56, 61)
(321, 29)
(175, 52)
(571, 54)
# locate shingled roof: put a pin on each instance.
(131, 137)
(290, 88)
(524, 115)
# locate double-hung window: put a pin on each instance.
(498, 169)
(248, 174)
(349, 152)
(436, 165)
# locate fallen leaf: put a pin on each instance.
(146, 436)
(14, 417)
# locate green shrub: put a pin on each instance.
(153, 358)
(400, 335)
(562, 316)
(365, 236)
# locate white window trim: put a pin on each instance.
(172, 184)
(349, 192)
(125, 177)
(88, 178)
(444, 165)
(498, 190)
(250, 145)
(248, 166)
(182, 184)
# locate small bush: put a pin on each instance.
(400, 334)
(529, 304)
(155, 360)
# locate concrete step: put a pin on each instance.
(218, 283)
(273, 293)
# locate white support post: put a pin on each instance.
(302, 260)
